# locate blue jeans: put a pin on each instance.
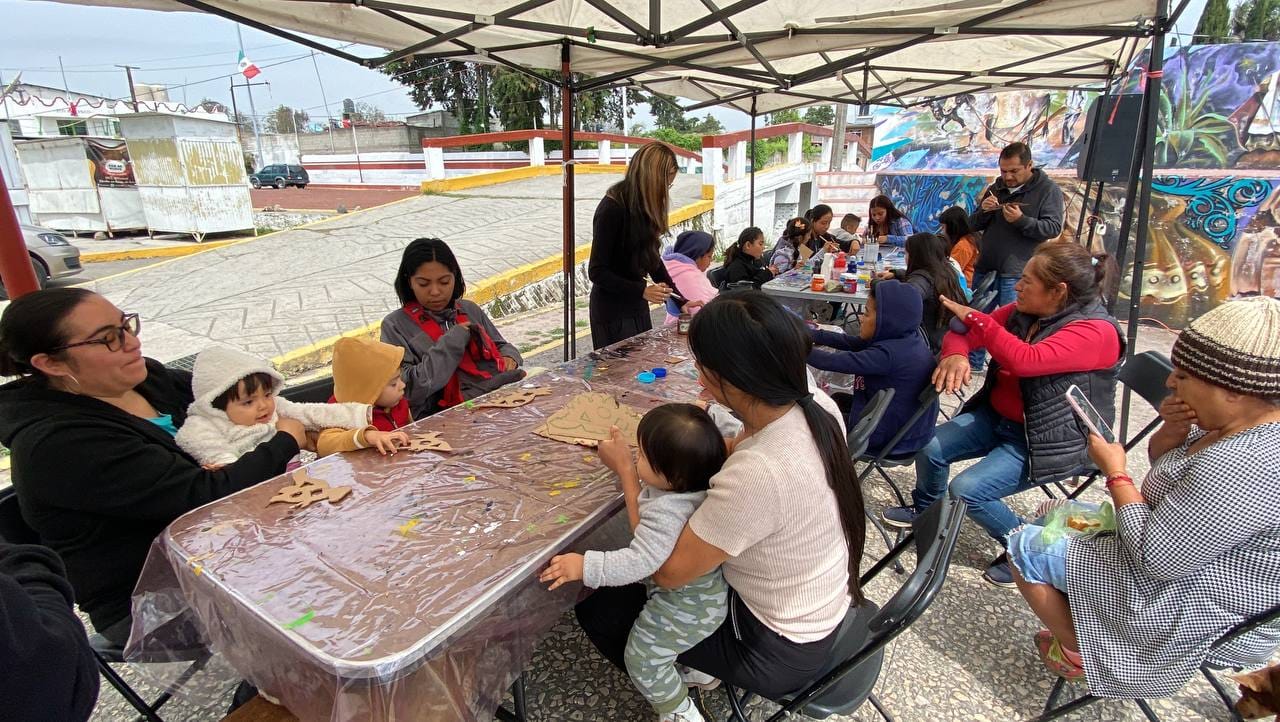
(1038, 561)
(1001, 446)
(1005, 295)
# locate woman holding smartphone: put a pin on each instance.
(1196, 550)
(1019, 425)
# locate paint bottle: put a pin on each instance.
(682, 323)
(828, 263)
(818, 282)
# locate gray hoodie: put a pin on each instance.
(1006, 247)
(662, 517)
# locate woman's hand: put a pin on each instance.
(830, 247)
(294, 428)
(882, 239)
(959, 311)
(885, 275)
(615, 452)
(562, 569)
(657, 293)
(1108, 457)
(386, 442)
(773, 269)
(1177, 415)
(509, 364)
(952, 373)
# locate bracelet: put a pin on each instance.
(1119, 479)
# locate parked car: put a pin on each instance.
(52, 255)
(280, 176)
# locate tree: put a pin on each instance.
(1215, 23)
(244, 122)
(790, 115)
(367, 113)
(824, 115)
(1256, 20)
(284, 119)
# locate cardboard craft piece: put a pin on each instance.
(430, 441)
(307, 490)
(511, 398)
(586, 419)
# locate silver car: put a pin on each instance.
(52, 255)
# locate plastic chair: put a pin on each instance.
(984, 284)
(316, 391)
(14, 530)
(847, 680)
(716, 275)
(927, 399)
(858, 437)
(1258, 620)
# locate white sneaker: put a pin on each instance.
(693, 678)
(687, 712)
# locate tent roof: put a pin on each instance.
(784, 52)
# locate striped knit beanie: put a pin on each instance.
(1235, 346)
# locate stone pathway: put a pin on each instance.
(273, 295)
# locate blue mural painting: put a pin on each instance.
(922, 198)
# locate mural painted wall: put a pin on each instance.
(1214, 229)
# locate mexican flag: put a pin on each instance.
(247, 68)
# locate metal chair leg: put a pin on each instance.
(736, 713)
(116, 681)
(1051, 711)
(1147, 712)
(191, 671)
(518, 701)
(875, 702)
(1223, 694)
(884, 534)
(897, 493)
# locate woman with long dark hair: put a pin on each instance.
(783, 519)
(954, 226)
(930, 272)
(742, 262)
(452, 351)
(820, 216)
(625, 243)
(885, 223)
(796, 235)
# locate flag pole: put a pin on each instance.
(253, 112)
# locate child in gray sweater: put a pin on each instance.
(680, 450)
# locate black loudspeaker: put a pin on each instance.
(1107, 155)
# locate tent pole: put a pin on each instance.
(15, 266)
(751, 158)
(1088, 160)
(1151, 95)
(566, 165)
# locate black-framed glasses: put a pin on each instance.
(112, 338)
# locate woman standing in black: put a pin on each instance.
(625, 243)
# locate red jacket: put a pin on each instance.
(1078, 346)
(388, 419)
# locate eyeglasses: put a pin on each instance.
(112, 338)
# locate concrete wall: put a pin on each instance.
(778, 198)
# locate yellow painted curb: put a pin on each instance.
(583, 167)
(481, 292)
(158, 251)
(708, 192)
(477, 180)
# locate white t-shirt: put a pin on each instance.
(771, 510)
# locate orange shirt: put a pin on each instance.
(965, 253)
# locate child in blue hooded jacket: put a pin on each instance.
(888, 352)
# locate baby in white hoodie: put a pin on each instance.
(236, 408)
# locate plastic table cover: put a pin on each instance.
(416, 597)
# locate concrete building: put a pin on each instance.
(39, 111)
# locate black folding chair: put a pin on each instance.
(316, 391)
(716, 275)
(880, 460)
(849, 676)
(1271, 616)
(858, 438)
(14, 530)
(986, 283)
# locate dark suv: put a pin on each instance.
(280, 176)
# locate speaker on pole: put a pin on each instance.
(1107, 155)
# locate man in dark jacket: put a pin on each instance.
(1022, 209)
(888, 353)
(49, 669)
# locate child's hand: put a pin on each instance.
(211, 467)
(386, 442)
(562, 569)
(615, 452)
(509, 364)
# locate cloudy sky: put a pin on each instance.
(192, 53)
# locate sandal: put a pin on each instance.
(1055, 659)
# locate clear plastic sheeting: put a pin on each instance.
(416, 597)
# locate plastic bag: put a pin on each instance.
(1078, 519)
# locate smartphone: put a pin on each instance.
(1089, 415)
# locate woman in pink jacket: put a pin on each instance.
(687, 264)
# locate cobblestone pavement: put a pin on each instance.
(970, 657)
(276, 294)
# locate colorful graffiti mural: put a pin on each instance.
(1215, 209)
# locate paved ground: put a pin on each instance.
(327, 199)
(969, 658)
(291, 289)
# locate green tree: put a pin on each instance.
(790, 115)
(1215, 23)
(825, 115)
(284, 119)
(1255, 20)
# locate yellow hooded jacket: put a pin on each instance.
(361, 368)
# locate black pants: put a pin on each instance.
(609, 326)
(743, 652)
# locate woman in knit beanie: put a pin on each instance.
(1197, 548)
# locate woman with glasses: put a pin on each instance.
(626, 238)
(90, 423)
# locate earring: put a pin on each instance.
(76, 381)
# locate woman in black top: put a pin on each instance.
(930, 272)
(742, 262)
(625, 234)
(91, 425)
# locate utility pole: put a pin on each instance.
(133, 93)
(65, 86)
(328, 117)
(838, 136)
(253, 112)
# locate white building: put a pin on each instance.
(39, 111)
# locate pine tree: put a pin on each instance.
(1215, 23)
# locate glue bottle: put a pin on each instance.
(828, 263)
(840, 267)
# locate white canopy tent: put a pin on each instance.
(753, 55)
